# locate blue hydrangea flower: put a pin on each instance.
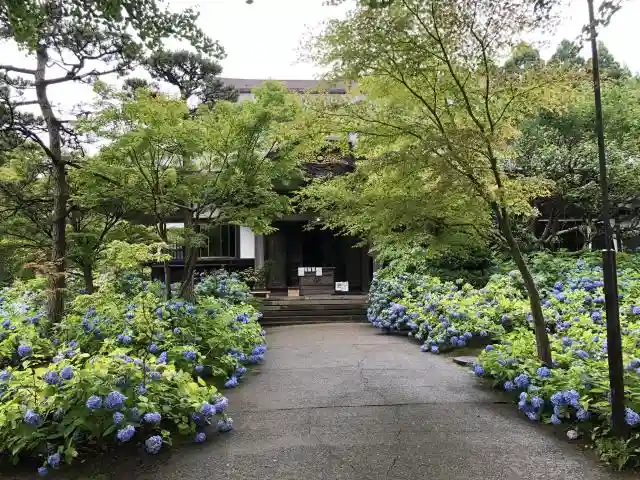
(544, 372)
(153, 444)
(199, 368)
(240, 371)
(558, 399)
(124, 339)
(162, 358)
(489, 348)
(24, 350)
(190, 355)
(478, 370)
(118, 418)
(125, 434)
(5, 375)
(94, 402)
(115, 400)
(522, 380)
(225, 425)
(582, 354)
(159, 312)
(221, 404)
(155, 375)
(32, 418)
(509, 386)
(537, 402)
(555, 419)
(232, 382)
(177, 331)
(200, 437)
(141, 389)
(434, 349)
(567, 341)
(66, 373)
(635, 310)
(54, 460)
(596, 316)
(43, 471)
(631, 417)
(153, 348)
(582, 415)
(152, 417)
(51, 377)
(207, 409)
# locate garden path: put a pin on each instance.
(342, 401)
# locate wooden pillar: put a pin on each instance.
(259, 252)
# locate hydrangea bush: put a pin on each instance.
(123, 366)
(573, 392)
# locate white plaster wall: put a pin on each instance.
(247, 243)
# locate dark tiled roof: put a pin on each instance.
(244, 85)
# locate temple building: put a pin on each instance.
(298, 260)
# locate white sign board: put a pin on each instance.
(342, 286)
(318, 271)
(301, 271)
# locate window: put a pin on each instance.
(220, 242)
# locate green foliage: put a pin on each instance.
(573, 391)
(60, 385)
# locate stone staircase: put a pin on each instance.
(278, 311)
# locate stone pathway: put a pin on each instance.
(342, 401)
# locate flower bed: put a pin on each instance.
(123, 366)
(573, 392)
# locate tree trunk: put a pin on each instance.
(87, 273)
(57, 281)
(190, 256)
(167, 280)
(540, 328)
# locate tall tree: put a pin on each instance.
(237, 152)
(197, 79)
(430, 72)
(78, 41)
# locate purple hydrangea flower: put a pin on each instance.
(32, 418)
(54, 460)
(522, 380)
(200, 437)
(434, 349)
(509, 386)
(24, 350)
(199, 368)
(152, 417)
(153, 444)
(162, 358)
(582, 354)
(94, 402)
(125, 434)
(141, 389)
(51, 377)
(155, 375)
(241, 371)
(537, 402)
(544, 372)
(190, 355)
(124, 339)
(631, 417)
(635, 310)
(232, 382)
(555, 419)
(221, 404)
(5, 375)
(225, 425)
(115, 400)
(153, 348)
(582, 415)
(489, 348)
(207, 409)
(118, 418)
(478, 370)
(66, 373)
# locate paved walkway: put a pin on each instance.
(345, 402)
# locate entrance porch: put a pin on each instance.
(294, 246)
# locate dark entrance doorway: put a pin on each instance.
(294, 246)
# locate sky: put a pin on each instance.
(263, 40)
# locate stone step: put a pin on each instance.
(270, 302)
(280, 321)
(301, 307)
(311, 313)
